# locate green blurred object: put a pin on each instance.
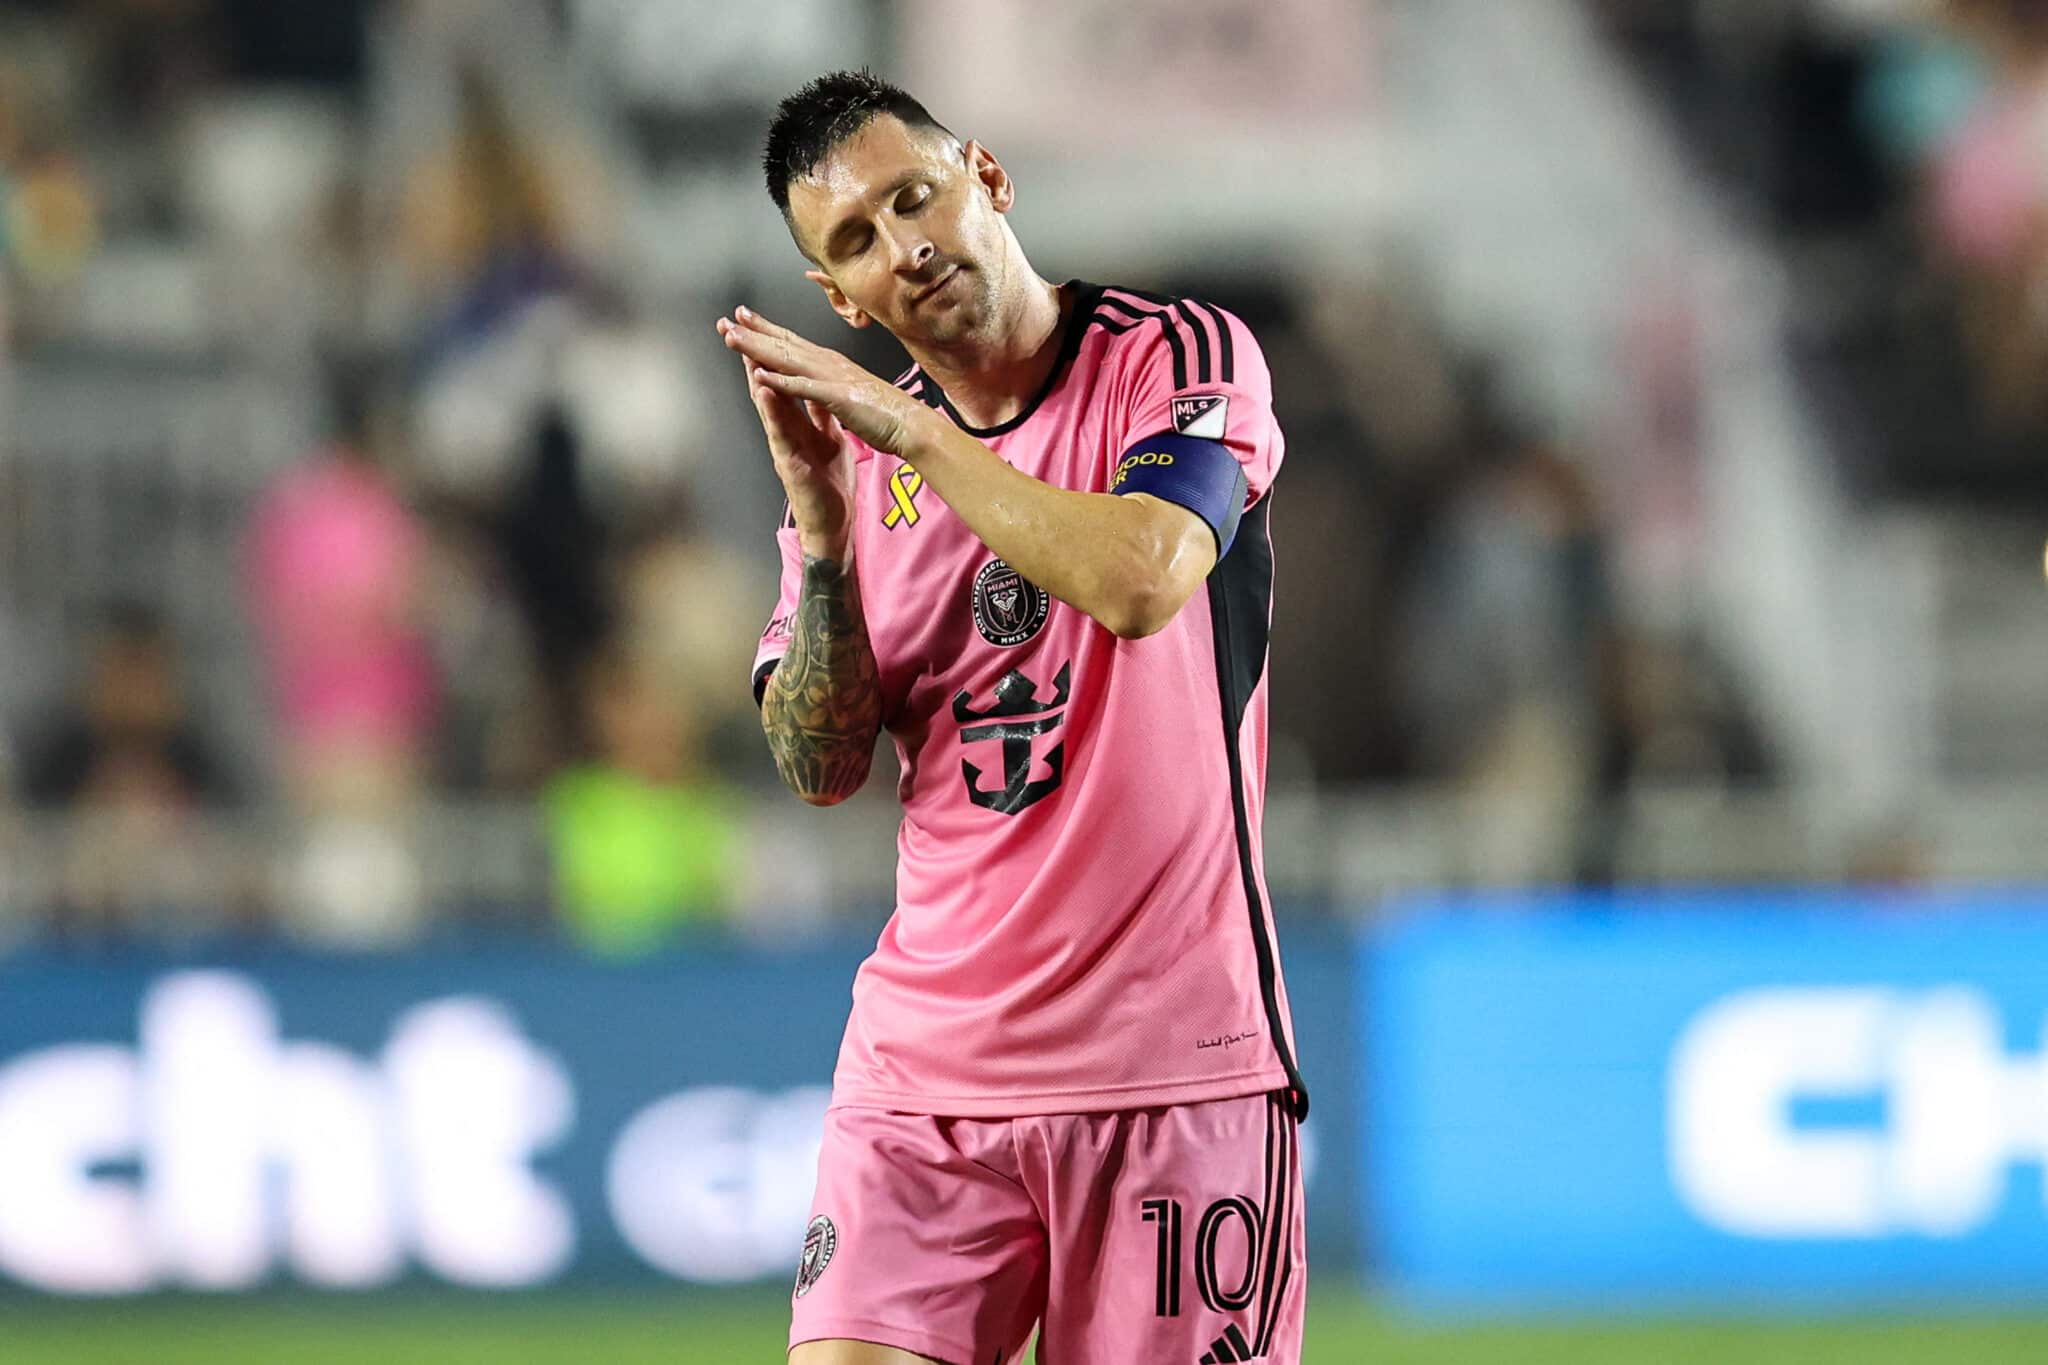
(749, 1327)
(636, 860)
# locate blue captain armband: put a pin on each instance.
(1202, 476)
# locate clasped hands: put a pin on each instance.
(821, 383)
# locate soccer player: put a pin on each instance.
(1067, 1094)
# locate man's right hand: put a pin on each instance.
(814, 461)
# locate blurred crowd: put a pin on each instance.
(1899, 150)
(486, 576)
(498, 570)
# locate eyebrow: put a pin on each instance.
(835, 239)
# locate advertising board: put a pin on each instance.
(1732, 1099)
(505, 1119)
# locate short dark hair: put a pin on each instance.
(825, 113)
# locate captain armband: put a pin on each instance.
(1187, 471)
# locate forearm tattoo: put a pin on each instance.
(823, 703)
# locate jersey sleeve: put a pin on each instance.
(1196, 372)
(775, 639)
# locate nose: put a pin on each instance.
(913, 255)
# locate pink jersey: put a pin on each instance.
(1082, 921)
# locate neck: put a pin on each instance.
(989, 383)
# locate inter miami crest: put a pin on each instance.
(820, 1241)
(1008, 608)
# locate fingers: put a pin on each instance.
(787, 354)
(756, 390)
(747, 317)
(816, 391)
(787, 419)
(746, 322)
(823, 419)
(787, 377)
(763, 397)
(775, 347)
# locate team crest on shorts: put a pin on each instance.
(1008, 608)
(821, 1239)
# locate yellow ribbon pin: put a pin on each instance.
(904, 485)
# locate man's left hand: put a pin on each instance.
(873, 409)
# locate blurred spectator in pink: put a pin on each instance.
(336, 563)
(1990, 182)
(1990, 205)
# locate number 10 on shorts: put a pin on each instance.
(1209, 1234)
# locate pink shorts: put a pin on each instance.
(1172, 1235)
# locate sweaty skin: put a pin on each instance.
(1129, 561)
(908, 229)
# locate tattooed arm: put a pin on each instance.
(823, 704)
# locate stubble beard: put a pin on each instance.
(972, 318)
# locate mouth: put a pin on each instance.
(932, 289)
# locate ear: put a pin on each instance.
(848, 313)
(990, 175)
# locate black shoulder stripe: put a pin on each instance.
(1227, 367)
(1226, 350)
(913, 382)
(1201, 340)
(1180, 353)
(1117, 325)
(1167, 328)
(1129, 309)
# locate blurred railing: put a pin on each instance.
(484, 867)
(130, 475)
(1567, 233)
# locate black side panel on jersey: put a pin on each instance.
(1240, 604)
